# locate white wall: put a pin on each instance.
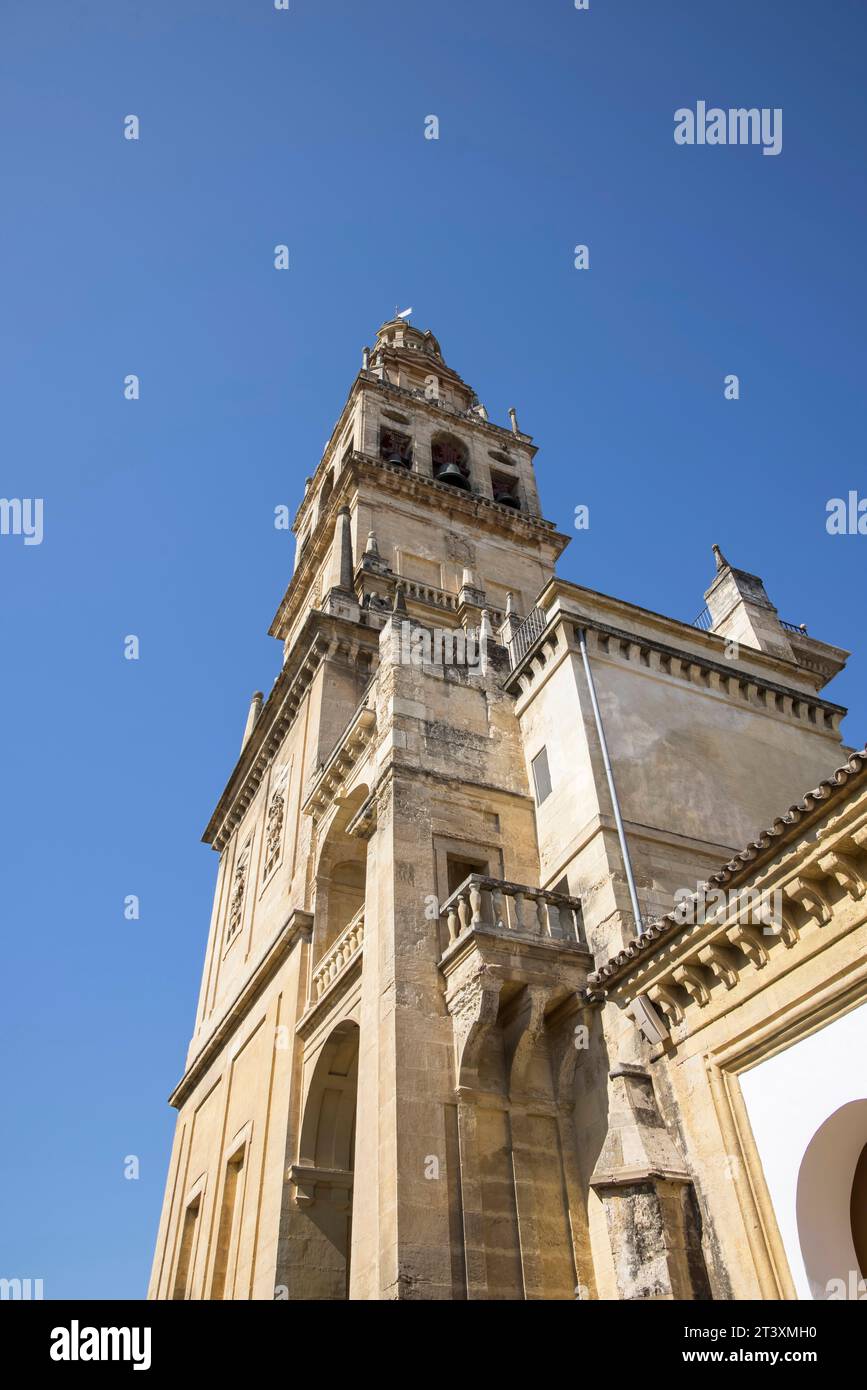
(788, 1099)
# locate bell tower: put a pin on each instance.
(413, 464)
(330, 1141)
(408, 1076)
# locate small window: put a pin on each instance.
(460, 869)
(185, 1254)
(541, 775)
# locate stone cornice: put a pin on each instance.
(564, 594)
(815, 856)
(364, 468)
(321, 635)
(298, 925)
(350, 747)
(726, 677)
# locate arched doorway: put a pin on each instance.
(831, 1200)
(324, 1173)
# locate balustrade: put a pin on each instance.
(494, 904)
(347, 945)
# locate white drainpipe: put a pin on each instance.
(618, 820)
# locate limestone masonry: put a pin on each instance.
(436, 1056)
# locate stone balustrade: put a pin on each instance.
(428, 593)
(494, 904)
(441, 598)
(338, 956)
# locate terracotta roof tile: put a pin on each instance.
(854, 767)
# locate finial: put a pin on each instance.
(513, 416)
(252, 715)
(365, 358)
(399, 600)
(342, 566)
(721, 561)
(510, 602)
(371, 547)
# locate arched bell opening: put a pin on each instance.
(450, 461)
(395, 448)
(505, 490)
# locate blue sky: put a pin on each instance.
(155, 257)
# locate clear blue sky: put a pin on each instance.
(261, 127)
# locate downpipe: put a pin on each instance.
(618, 819)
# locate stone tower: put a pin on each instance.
(399, 1083)
(319, 1124)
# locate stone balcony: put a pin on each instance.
(515, 933)
(513, 953)
(494, 904)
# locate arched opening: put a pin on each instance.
(341, 878)
(324, 1173)
(346, 895)
(831, 1204)
(450, 461)
(858, 1211)
(395, 448)
(325, 493)
(505, 490)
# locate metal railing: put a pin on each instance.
(526, 633)
(705, 622)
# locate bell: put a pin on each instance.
(395, 457)
(506, 499)
(453, 475)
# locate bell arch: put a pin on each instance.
(450, 460)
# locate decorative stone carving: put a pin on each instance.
(274, 830)
(239, 887)
(473, 1006)
(718, 960)
(747, 939)
(811, 898)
